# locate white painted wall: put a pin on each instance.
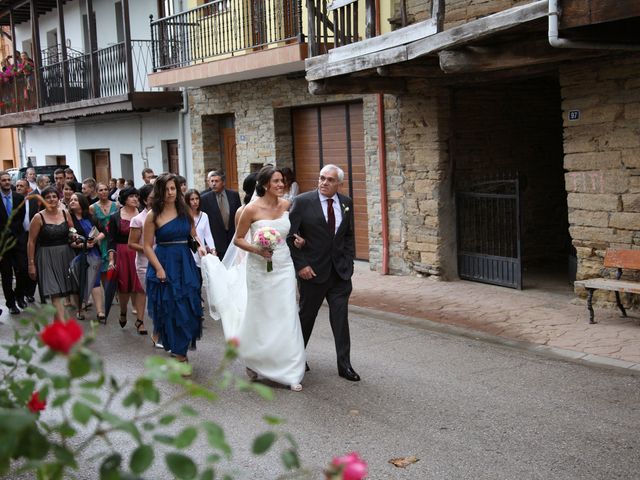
(131, 134)
(139, 11)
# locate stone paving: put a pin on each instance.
(552, 316)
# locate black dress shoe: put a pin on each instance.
(14, 310)
(21, 303)
(30, 299)
(349, 374)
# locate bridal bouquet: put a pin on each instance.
(268, 238)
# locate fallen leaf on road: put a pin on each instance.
(403, 462)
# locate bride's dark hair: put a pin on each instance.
(159, 191)
(264, 177)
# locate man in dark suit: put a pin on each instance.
(31, 207)
(324, 218)
(10, 262)
(220, 205)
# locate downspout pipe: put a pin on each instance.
(382, 160)
(557, 42)
(181, 136)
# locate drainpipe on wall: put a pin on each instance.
(382, 160)
(557, 42)
(181, 138)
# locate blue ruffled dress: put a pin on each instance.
(175, 305)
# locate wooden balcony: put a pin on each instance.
(231, 40)
(84, 84)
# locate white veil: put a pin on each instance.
(226, 286)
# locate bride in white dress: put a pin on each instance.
(265, 318)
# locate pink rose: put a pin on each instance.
(351, 467)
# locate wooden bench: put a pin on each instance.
(619, 259)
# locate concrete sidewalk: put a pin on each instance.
(552, 317)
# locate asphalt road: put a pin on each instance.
(465, 408)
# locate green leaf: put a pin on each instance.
(48, 356)
(271, 420)
(81, 412)
(109, 470)
(208, 474)
(60, 382)
(93, 384)
(150, 392)
(149, 426)
(189, 411)
(167, 419)
(131, 429)
(181, 466)
(25, 353)
(33, 445)
(133, 399)
(186, 437)
(66, 430)
(290, 459)
(196, 390)
(65, 456)
(166, 439)
(91, 398)
(141, 459)
(79, 365)
(37, 371)
(213, 458)
(263, 443)
(61, 399)
(262, 390)
(215, 437)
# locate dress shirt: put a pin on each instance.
(337, 208)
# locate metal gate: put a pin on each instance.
(488, 216)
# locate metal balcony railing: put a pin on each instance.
(223, 27)
(18, 92)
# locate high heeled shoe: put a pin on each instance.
(123, 319)
(139, 323)
(102, 318)
(156, 341)
(296, 388)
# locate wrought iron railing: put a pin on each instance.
(18, 93)
(224, 27)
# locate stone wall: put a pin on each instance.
(602, 157)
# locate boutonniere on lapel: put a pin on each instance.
(345, 209)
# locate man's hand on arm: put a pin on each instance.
(306, 273)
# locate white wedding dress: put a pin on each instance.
(259, 308)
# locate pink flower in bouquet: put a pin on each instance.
(348, 467)
(268, 238)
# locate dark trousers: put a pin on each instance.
(29, 289)
(11, 264)
(337, 292)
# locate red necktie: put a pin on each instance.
(331, 216)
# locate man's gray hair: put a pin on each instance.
(41, 178)
(331, 166)
(216, 173)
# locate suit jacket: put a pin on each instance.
(209, 205)
(322, 250)
(15, 228)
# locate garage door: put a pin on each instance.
(334, 134)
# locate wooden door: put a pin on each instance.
(334, 134)
(173, 156)
(229, 156)
(101, 166)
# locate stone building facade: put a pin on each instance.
(580, 177)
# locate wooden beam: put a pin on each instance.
(37, 53)
(128, 50)
(504, 57)
(63, 51)
(410, 70)
(577, 13)
(478, 29)
(437, 14)
(347, 85)
(93, 46)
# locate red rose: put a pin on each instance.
(61, 336)
(35, 403)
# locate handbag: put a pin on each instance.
(193, 243)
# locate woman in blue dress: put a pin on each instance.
(173, 282)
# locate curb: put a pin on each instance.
(573, 356)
